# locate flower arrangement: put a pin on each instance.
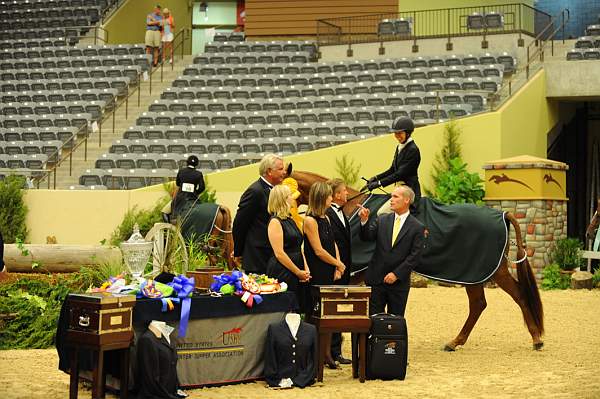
(248, 287)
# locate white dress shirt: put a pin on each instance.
(338, 211)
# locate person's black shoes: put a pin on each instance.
(342, 360)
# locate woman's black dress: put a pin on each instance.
(292, 245)
(322, 273)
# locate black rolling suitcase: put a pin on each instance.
(387, 349)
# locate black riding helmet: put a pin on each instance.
(405, 124)
(192, 161)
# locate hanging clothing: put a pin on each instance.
(291, 357)
(157, 368)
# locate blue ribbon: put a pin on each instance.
(183, 287)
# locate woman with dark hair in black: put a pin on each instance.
(190, 183)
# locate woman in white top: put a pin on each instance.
(168, 25)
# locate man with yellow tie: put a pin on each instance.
(399, 241)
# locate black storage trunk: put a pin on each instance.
(387, 352)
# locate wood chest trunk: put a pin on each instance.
(98, 319)
(341, 302)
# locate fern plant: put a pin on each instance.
(348, 170)
(450, 150)
(458, 186)
(566, 253)
(13, 210)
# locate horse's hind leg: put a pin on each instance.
(503, 278)
(477, 304)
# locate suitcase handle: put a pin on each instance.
(383, 314)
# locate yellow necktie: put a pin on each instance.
(396, 229)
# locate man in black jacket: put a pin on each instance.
(399, 242)
(406, 161)
(343, 238)
(250, 224)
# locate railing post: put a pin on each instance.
(95, 35)
(562, 25)
(48, 179)
(139, 88)
(100, 133)
(126, 106)
(54, 178)
(71, 162)
(85, 147)
(113, 122)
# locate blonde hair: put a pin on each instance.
(278, 201)
(165, 11)
(268, 162)
(317, 199)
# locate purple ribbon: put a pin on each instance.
(183, 288)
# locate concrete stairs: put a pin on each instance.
(99, 144)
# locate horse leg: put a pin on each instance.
(504, 279)
(477, 304)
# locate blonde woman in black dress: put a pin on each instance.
(287, 263)
(320, 249)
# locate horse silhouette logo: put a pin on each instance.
(548, 178)
(503, 179)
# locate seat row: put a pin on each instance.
(45, 23)
(419, 80)
(129, 179)
(75, 120)
(94, 108)
(254, 58)
(33, 161)
(70, 34)
(290, 94)
(320, 71)
(106, 95)
(505, 59)
(91, 12)
(415, 111)
(48, 148)
(130, 71)
(32, 43)
(63, 134)
(120, 84)
(77, 62)
(260, 47)
(19, 53)
(307, 102)
(40, 4)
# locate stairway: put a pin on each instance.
(65, 176)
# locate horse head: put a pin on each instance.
(305, 181)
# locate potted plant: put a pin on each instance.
(566, 253)
(203, 262)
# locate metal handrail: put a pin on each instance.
(532, 57)
(435, 23)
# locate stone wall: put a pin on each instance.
(542, 222)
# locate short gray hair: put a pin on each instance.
(268, 162)
(407, 192)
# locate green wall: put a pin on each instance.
(128, 24)
(220, 15)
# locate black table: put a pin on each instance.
(224, 341)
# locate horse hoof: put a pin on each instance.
(538, 346)
(448, 348)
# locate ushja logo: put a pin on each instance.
(232, 337)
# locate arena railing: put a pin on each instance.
(426, 24)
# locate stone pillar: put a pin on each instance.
(534, 191)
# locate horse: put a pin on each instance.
(218, 244)
(523, 291)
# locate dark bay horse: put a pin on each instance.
(523, 291)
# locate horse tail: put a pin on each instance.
(527, 283)
(227, 235)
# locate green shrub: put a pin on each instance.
(35, 304)
(145, 218)
(458, 186)
(596, 278)
(13, 210)
(451, 150)
(566, 253)
(553, 279)
(348, 170)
